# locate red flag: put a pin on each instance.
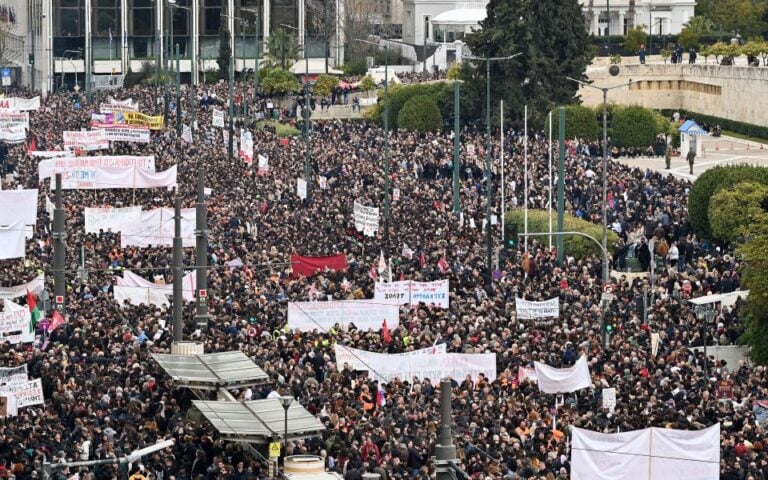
(373, 273)
(443, 265)
(56, 321)
(32, 145)
(385, 333)
(422, 260)
(31, 300)
(402, 277)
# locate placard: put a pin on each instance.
(109, 218)
(366, 219)
(85, 140)
(14, 134)
(14, 324)
(218, 118)
(126, 133)
(33, 286)
(609, 398)
(27, 393)
(135, 118)
(301, 188)
(528, 310)
(13, 375)
(408, 292)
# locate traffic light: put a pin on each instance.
(611, 324)
(510, 236)
(31, 58)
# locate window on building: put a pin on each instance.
(283, 11)
(69, 18)
(211, 18)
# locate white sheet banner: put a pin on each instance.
(563, 380)
(154, 292)
(649, 454)
(18, 206)
(14, 134)
(35, 285)
(363, 360)
(127, 133)
(14, 324)
(218, 118)
(12, 241)
(17, 104)
(301, 188)
(49, 167)
(100, 178)
(366, 219)
(14, 119)
(27, 393)
(156, 228)
(119, 106)
(409, 292)
(263, 165)
(85, 140)
(13, 375)
(115, 219)
(50, 153)
(246, 146)
(527, 310)
(365, 314)
(186, 133)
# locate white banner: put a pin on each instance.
(85, 140)
(49, 167)
(366, 219)
(50, 153)
(563, 380)
(18, 206)
(115, 106)
(114, 219)
(301, 188)
(15, 324)
(649, 454)
(12, 241)
(149, 290)
(412, 293)
(27, 394)
(527, 310)
(100, 178)
(35, 285)
(17, 104)
(127, 133)
(363, 360)
(365, 314)
(14, 134)
(263, 165)
(186, 133)
(14, 119)
(218, 118)
(13, 375)
(156, 228)
(246, 146)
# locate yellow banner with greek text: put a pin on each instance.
(136, 118)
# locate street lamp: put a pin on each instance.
(230, 146)
(650, 35)
(255, 13)
(489, 183)
(387, 180)
(605, 163)
(285, 401)
(74, 68)
(305, 115)
(173, 5)
(705, 316)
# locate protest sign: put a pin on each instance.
(14, 324)
(301, 188)
(115, 107)
(366, 219)
(412, 293)
(263, 165)
(12, 241)
(156, 228)
(218, 118)
(27, 393)
(18, 206)
(126, 133)
(109, 218)
(14, 119)
(16, 104)
(13, 134)
(186, 133)
(49, 167)
(188, 282)
(13, 375)
(136, 118)
(246, 146)
(365, 314)
(609, 398)
(85, 140)
(8, 407)
(33, 286)
(527, 310)
(99, 178)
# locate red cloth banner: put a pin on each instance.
(308, 266)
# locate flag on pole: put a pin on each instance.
(385, 335)
(56, 322)
(407, 252)
(382, 263)
(32, 304)
(373, 274)
(443, 265)
(381, 398)
(422, 260)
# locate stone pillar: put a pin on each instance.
(620, 28)
(195, 42)
(302, 16)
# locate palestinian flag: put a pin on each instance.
(32, 303)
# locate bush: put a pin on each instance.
(688, 38)
(454, 72)
(367, 84)
(710, 183)
(732, 209)
(400, 94)
(357, 67)
(634, 38)
(324, 84)
(281, 129)
(420, 113)
(577, 246)
(581, 122)
(633, 126)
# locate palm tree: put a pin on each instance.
(282, 49)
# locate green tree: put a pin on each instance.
(225, 52)
(282, 49)
(732, 209)
(367, 84)
(454, 72)
(699, 24)
(324, 85)
(756, 48)
(552, 37)
(705, 52)
(743, 16)
(420, 113)
(633, 126)
(634, 38)
(276, 81)
(580, 122)
(754, 265)
(688, 38)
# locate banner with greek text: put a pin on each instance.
(366, 219)
(364, 314)
(409, 292)
(13, 375)
(218, 118)
(14, 324)
(33, 286)
(14, 134)
(156, 290)
(156, 228)
(85, 140)
(16, 104)
(136, 118)
(14, 119)
(27, 393)
(49, 167)
(527, 310)
(119, 106)
(50, 153)
(114, 219)
(99, 178)
(126, 133)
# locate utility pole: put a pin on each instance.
(59, 236)
(445, 451)
(456, 147)
(178, 302)
(488, 181)
(201, 236)
(561, 187)
(230, 145)
(178, 94)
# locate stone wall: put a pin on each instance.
(736, 93)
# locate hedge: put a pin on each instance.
(420, 113)
(711, 182)
(580, 122)
(633, 126)
(732, 209)
(743, 128)
(577, 246)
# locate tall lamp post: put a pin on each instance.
(387, 180)
(285, 401)
(255, 13)
(605, 163)
(173, 5)
(489, 183)
(705, 316)
(230, 145)
(306, 112)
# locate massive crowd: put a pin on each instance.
(104, 396)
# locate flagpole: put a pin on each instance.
(525, 161)
(550, 180)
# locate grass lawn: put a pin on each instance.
(282, 129)
(745, 137)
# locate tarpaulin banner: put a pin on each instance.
(12, 241)
(126, 133)
(27, 393)
(14, 134)
(527, 310)
(136, 118)
(409, 292)
(85, 140)
(188, 287)
(16, 104)
(156, 228)
(366, 219)
(35, 285)
(115, 106)
(18, 206)
(14, 119)
(308, 266)
(321, 316)
(563, 380)
(14, 324)
(114, 219)
(13, 375)
(99, 178)
(49, 167)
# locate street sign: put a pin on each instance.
(59, 299)
(5, 76)
(274, 449)
(606, 297)
(608, 288)
(202, 293)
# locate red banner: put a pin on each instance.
(308, 266)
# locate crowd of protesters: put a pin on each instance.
(105, 396)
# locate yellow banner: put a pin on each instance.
(136, 118)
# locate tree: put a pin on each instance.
(688, 38)
(420, 113)
(324, 85)
(276, 81)
(706, 53)
(755, 48)
(367, 84)
(454, 72)
(634, 38)
(552, 38)
(282, 49)
(580, 122)
(699, 25)
(742, 16)
(225, 52)
(633, 126)
(732, 209)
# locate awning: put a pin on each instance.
(316, 67)
(259, 421)
(727, 299)
(211, 371)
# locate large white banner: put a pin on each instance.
(127, 133)
(365, 314)
(27, 393)
(85, 140)
(527, 310)
(12, 241)
(35, 285)
(138, 288)
(366, 219)
(115, 219)
(115, 106)
(14, 324)
(218, 118)
(99, 178)
(14, 134)
(18, 206)
(246, 146)
(50, 153)
(409, 292)
(70, 165)
(432, 363)
(13, 375)
(14, 119)
(649, 454)
(16, 104)
(563, 380)
(156, 228)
